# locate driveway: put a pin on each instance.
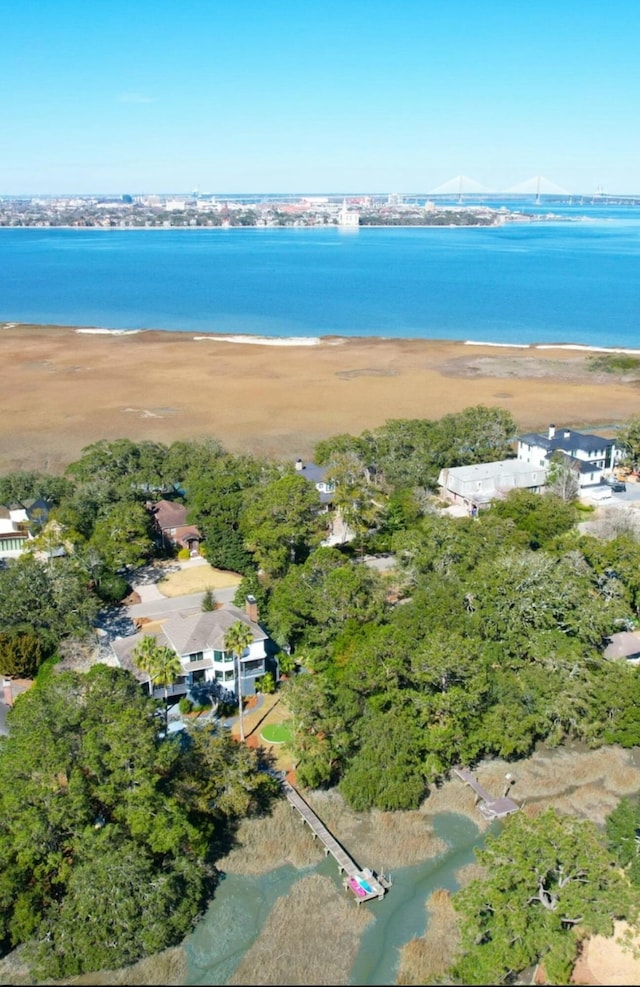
(119, 621)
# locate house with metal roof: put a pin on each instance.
(474, 487)
(592, 456)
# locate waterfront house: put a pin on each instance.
(199, 640)
(170, 524)
(474, 487)
(317, 476)
(592, 456)
(16, 524)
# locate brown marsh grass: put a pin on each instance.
(312, 936)
(168, 968)
(303, 936)
(428, 957)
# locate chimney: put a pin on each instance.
(552, 431)
(251, 608)
(299, 464)
(567, 433)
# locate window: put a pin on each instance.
(223, 657)
(225, 677)
(196, 656)
(252, 666)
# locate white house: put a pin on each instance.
(317, 476)
(476, 486)
(591, 455)
(199, 639)
(15, 526)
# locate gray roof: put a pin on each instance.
(580, 465)
(567, 439)
(624, 644)
(189, 633)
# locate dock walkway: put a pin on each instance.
(364, 884)
(490, 807)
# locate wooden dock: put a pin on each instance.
(490, 807)
(362, 882)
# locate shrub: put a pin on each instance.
(266, 683)
(185, 705)
(184, 554)
(112, 588)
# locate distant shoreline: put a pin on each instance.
(327, 340)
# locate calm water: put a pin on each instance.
(575, 281)
(242, 904)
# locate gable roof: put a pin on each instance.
(567, 439)
(169, 514)
(188, 633)
(624, 644)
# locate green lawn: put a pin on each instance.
(276, 733)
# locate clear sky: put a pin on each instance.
(317, 95)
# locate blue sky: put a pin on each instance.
(332, 95)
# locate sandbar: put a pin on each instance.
(63, 388)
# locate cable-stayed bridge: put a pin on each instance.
(462, 185)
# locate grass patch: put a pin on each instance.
(276, 733)
(614, 363)
(197, 579)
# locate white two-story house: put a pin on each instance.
(199, 638)
(592, 456)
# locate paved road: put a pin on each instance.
(119, 621)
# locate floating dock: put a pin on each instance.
(490, 807)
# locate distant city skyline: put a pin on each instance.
(329, 95)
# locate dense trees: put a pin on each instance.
(498, 646)
(550, 881)
(105, 829)
(280, 522)
(486, 639)
(47, 599)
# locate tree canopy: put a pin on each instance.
(105, 828)
(550, 882)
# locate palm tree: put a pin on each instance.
(237, 639)
(143, 656)
(162, 665)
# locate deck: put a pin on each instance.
(362, 882)
(490, 807)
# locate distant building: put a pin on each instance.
(170, 523)
(348, 217)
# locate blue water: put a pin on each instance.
(556, 282)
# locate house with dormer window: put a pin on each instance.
(592, 456)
